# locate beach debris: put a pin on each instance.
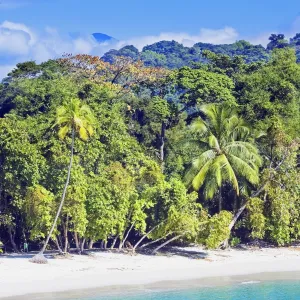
(39, 259)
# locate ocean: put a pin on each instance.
(253, 290)
(263, 286)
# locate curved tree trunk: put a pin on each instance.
(255, 194)
(167, 242)
(126, 237)
(114, 242)
(63, 195)
(153, 242)
(224, 244)
(57, 245)
(145, 235)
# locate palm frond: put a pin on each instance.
(83, 134)
(63, 132)
(229, 174)
(72, 114)
(201, 176)
(213, 142)
(211, 188)
(244, 169)
(199, 126)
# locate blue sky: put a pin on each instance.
(38, 29)
(124, 19)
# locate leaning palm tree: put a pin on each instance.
(229, 152)
(72, 117)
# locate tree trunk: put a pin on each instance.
(235, 203)
(145, 235)
(12, 239)
(82, 245)
(220, 199)
(153, 242)
(124, 240)
(57, 245)
(162, 144)
(241, 209)
(76, 241)
(91, 243)
(66, 235)
(224, 244)
(114, 242)
(167, 242)
(63, 195)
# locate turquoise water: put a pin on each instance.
(284, 290)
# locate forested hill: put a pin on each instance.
(171, 54)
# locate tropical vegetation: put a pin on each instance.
(123, 153)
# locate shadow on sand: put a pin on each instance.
(25, 255)
(168, 251)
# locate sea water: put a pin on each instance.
(252, 290)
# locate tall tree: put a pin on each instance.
(228, 153)
(72, 117)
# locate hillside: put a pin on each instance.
(171, 54)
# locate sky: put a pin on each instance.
(40, 29)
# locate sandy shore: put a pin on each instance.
(103, 269)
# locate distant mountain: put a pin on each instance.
(98, 36)
(101, 37)
(171, 54)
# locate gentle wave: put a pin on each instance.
(251, 282)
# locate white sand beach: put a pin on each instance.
(103, 269)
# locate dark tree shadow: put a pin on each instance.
(25, 255)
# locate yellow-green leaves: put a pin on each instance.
(75, 115)
(218, 230)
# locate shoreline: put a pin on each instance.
(162, 286)
(110, 271)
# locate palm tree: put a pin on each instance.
(229, 154)
(72, 117)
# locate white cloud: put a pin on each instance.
(19, 43)
(18, 27)
(15, 39)
(219, 36)
(83, 46)
(261, 39)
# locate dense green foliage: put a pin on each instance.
(201, 154)
(171, 54)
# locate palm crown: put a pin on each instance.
(229, 153)
(74, 116)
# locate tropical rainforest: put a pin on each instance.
(140, 150)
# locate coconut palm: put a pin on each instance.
(72, 117)
(229, 154)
